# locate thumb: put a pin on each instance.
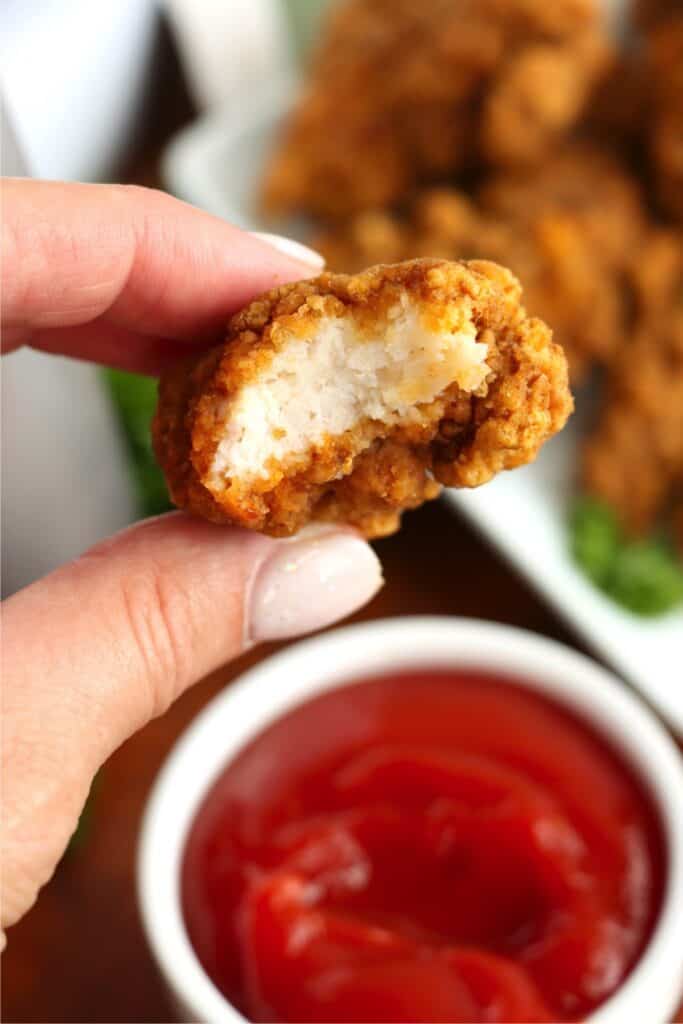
(96, 649)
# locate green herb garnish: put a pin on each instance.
(644, 576)
(135, 400)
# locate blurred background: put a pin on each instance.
(547, 136)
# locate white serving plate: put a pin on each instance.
(216, 163)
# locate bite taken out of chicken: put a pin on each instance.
(352, 398)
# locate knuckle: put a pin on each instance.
(158, 619)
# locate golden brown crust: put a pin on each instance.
(617, 109)
(569, 230)
(527, 403)
(573, 230)
(634, 457)
(171, 437)
(664, 66)
(581, 181)
(648, 13)
(536, 96)
(460, 439)
(463, 88)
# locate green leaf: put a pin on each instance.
(135, 399)
(595, 538)
(646, 578)
(643, 576)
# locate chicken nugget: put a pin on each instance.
(581, 181)
(648, 13)
(351, 398)
(568, 230)
(633, 459)
(369, 238)
(655, 277)
(400, 93)
(664, 65)
(536, 96)
(618, 108)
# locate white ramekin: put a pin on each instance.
(344, 656)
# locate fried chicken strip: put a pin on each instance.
(664, 66)
(569, 230)
(401, 92)
(633, 459)
(351, 398)
(652, 12)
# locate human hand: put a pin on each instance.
(132, 278)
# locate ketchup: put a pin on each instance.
(426, 847)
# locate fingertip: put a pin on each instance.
(310, 581)
(296, 250)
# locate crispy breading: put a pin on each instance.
(634, 457)
(637, 107)
(656, 277)
(504, 393)
(573, 230)
(536, 96)
(569, 231)
(369, 238)
(402, 92)
(664, 68)
(580, 180)
(618, 108)
(438, 223)
(648, 13)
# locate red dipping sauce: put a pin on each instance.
(427, 847)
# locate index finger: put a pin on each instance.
(132, 259)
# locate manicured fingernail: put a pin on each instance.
(291, 248)
(317, 577)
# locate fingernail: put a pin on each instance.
(316, 578)
(291, 248)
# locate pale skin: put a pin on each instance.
(132, 278)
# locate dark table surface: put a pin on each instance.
(80, 953)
